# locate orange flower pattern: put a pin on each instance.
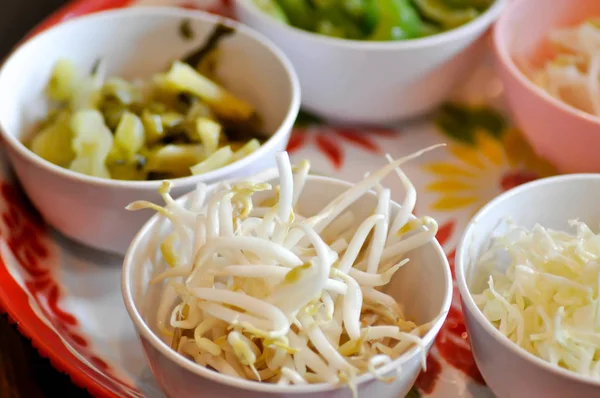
(329, 140)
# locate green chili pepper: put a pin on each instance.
(272, 8)
(354, 8)
(327, 28)
(364, 14)
(370, 17)
(429, 29)
(299, 12)
(332, 21)
(398, 20)
(479, 4)
(376, 20)
(448, 17)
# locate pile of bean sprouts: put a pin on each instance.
(573, 75)
(255, 290)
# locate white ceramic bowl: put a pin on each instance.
(135, 42)
(424, 286)
(507, 369)
(374, 82)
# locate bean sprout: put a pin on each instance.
(253, 289)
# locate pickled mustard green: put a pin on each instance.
(177, 123)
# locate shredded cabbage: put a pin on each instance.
(236, 298)
(543, 293)
(573, 75)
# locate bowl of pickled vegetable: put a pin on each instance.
(374, 61)
(132, 97)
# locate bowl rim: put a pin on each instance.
(484, 19)
(283, 130)
(501, 49)
(146, 333)
(461, 259)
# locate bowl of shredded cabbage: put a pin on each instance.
(135, 96)
(375, 61)
(287, 284)
(528, 272)
(549, 61)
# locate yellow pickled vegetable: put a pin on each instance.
(153, 126)
(246, 150)
(197, 110)
(87, 92)
(92, 141)
(158, 128)
(171, 119)
(215, 161)
(132, 170)
(129, 137)
(121, 90)
(223, 103)
(209, 132)
(175, 159)
(53, 143)
(60, 86)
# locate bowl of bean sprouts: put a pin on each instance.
(548, 59)
(287, 284)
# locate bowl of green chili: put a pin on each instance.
(375, 61)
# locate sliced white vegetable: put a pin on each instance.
(255, 289)
(543, 293)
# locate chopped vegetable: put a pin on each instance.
(175, 159)
(209, 132)
(87, 91)
(300, 13)
(398, 20)
(333, 21)
(214, 161)
(544, 293)
(264, 292)
(377, 20)
(573, 75)
(121, 90)
(185, 29)
(185, 78)
(129, 137)
(153, 126)
(53, 143)
(144, 130)
(446, 16)
(246, 150)
(92, 142)
(219, 33)
(61, 82)
(272, 8)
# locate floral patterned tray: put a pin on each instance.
(61, 295)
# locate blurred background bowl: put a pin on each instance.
(565, 136)
(423, 286)
(134, 42)
(509, 370)
(374, 83)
